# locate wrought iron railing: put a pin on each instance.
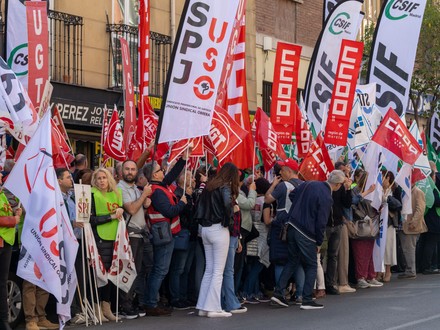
(65, 47)
(160, 54)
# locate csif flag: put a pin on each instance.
(393, 52)
(342, 23)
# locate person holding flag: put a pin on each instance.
(8, 221)
(106, 212)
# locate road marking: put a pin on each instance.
(410, 324)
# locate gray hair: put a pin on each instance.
(336, 176)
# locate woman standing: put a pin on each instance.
(8, 221)
(215, 213)
(106, 213)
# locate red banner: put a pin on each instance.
(225, 134)
(237, 102)
(393, 135)
(58, 120)
(114, 141)
(129, 105)
(38, 45)
(317, 165)
(144, 47)
(180, 146)
(284, 89)
(267, 140)
(341, 104)
(302, 133)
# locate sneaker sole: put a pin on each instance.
(238, 311)
(306, 307)
(279, 302)
(128, 317)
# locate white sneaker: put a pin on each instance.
(78, 319)
(202, 312)
(346, 289)
(239, 310)
(362, 284)
(219, 314)
(375, 283)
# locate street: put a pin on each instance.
(400, 304)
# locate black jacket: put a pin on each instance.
(215, 207)
(341, 199)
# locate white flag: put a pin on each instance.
(49, 245)
(379, 243)
(93, 256)
(123, 270)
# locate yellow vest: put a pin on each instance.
(105, 205)
(8, 234)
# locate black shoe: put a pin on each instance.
(157, 311)
(311, 305)
(279, 299)
(129, 314)
(332, 290)
(180, 305)
(431, 272)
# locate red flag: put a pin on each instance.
(285, 86)
(267, 140)
(302, 133)
(137, 144)
(393, 135)
(225, 134)
(129, 105)
(317, 165)
(58, 120)
(60, 148)
(114, 141)
(236, 102)
(144, 47)
(38, 45)
(180, 146)
(341, 104)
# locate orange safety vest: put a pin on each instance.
(155, 216)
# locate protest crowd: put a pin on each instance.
(211, 208)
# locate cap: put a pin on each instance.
(289, 162)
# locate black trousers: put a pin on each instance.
(5, 261)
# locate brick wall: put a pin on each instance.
(289, 20)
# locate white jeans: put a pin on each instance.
(216, 243)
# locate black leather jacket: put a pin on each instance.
(215, 207)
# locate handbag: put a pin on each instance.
(367, 228)
(181, 240)
(161, 232)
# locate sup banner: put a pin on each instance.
(285, 86)
(202, 43)
(38, 45)
(338, 120)
(393, 53)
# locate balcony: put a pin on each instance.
(160, 54)
(65, 47)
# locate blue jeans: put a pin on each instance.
(301, 249)
(184, 278)
(161, 264)
(251, 286)
(229, 299)
(300, 277)
(278, 269)
(177, 267)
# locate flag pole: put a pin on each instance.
(186, 164)
(253, 161)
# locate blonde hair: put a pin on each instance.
(111, 181)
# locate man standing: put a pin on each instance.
(279, 192)
(334, 231)
(134, 203)
(312, 202)
(164, 208)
